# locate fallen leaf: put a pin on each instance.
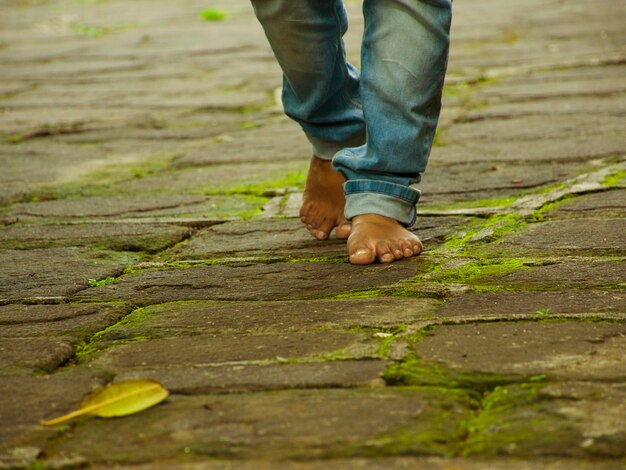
(120, 399)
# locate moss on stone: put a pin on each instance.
(514, 420)
(616, 179)
(471, 271)
(438, 428)
(417, 372)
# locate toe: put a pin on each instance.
(343, 230)
(396, 249)
(417, 247)
(324, 229)
(406, 248)
(361, 254)
(384, 253)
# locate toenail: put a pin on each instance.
(361, 252)
(387, 257)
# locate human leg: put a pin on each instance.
(321, 93)
(404, 58)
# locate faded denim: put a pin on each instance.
(377, 126)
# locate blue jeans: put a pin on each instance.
(377, 126)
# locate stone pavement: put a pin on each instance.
(148, 193)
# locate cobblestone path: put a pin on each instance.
(148, 192)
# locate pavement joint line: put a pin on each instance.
(594, 61)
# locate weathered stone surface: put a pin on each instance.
(445, 182)
(571, 149)
(572, 350)
(111, 206)
(32, 354)
(520, 420)
(548, 106)
(118, 237)
(253, 145)
(173, 319)
(228, 178)
(146, 113)
(54, 272)
(202, 350)
(383, 463)
(595, 82)
(272, 424)
(282, 281)
(607, 204)
(74, 322)
(27, 400)
(282, 237)
(286, 238)
(596, 410)
(507, 305)
(581, 237)
(533, 128)
(257, 377)
(558, 276)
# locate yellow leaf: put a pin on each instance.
(120, 399)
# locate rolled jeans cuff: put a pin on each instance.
(326, 149)
(382, 198)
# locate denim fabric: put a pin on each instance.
(395, 101)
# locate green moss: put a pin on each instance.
(616, 179)
(539, 214)
(473, 270)
(260, 188)
(417, 372)
(499, 225)
(100, 283)
(213, 14)
(550, 188)
(514, 420)
(436, 430)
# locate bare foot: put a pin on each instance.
(376, 237)
(323, 201)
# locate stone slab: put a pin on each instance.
(280, 281)
(462, 181)
(110, 206)
(27, 355)
(533, 128)
(263, 377)
(522, 420)
(204, 350)
(571, 149)
(596, 410)
(281, 237)
(253, 145)
(27, 400)
(605, 204)
(559, 276)
(565, 349)
(228, 178)
(578, 237)
(73, 322)
(279, 425)
(188, 318)
(117, 237)
(286, 238)
(508, 305)
(549, 106)
(383, 463)
(53, 272)
(595, 81)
